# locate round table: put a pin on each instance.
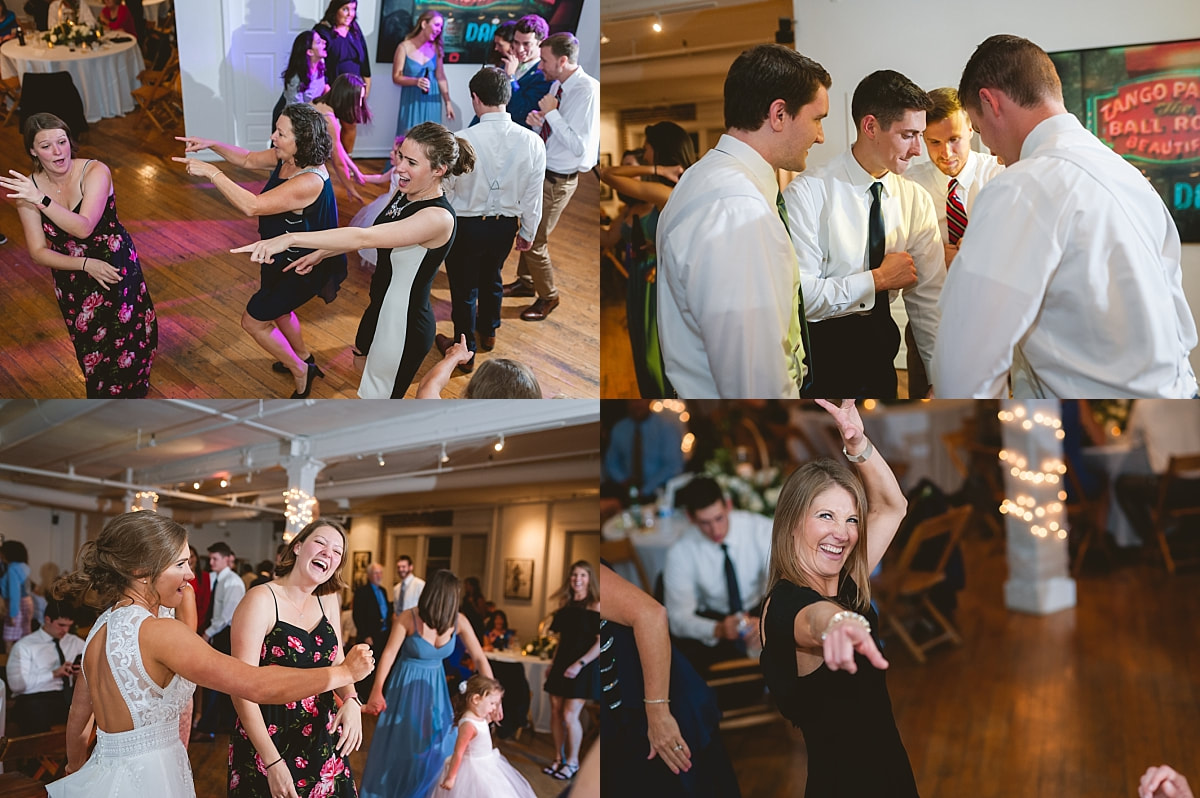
(535, 674)
(650, 543)
(105, 76)
(1113, 460)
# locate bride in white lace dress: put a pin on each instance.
(140, 666)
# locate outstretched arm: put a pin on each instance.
(427, 227)
(886, 504)
(238, 156)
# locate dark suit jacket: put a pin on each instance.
(367, 619)
(525, 95)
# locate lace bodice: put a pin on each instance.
(148, 703)
(481, 743)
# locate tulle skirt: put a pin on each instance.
(366, 217)
(148, 762)
(488, 776)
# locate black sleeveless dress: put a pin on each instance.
(854, 748)
(299, 729)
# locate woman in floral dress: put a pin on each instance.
(299, 748)
(69, 214)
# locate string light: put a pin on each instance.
(1045, 515)
(140, 499)
(299, 509)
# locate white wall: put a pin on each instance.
(931, 40)
(217, 82)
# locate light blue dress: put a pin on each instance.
(416, 106)
(416, 732)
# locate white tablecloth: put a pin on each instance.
(1114, 460)
(104, 76)
(651, 544)
(912, 433)
(535, 674)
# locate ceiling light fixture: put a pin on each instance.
(604, 39)
(224, 483)
(380, 458)
(657, 26)
(445, 458)
(500, 443)
(195, 486)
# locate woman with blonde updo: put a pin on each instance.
(140, 666)
(413, 234)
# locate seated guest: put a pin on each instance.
(74, 10)
(643, 450)
(39, 10)
(8, 23)
(41, 668)
(115, 16)
(715, 575)
(498, 633)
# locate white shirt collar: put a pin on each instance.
(496, 116)
(1043, 133)
(861, 179)
(760, 171)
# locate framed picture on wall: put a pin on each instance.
(1143, 101)
(361, 560)
(518, 579)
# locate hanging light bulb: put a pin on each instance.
(445, 458)
(224, 483)
(500, 443)
(379, 457)
(657, 26)
(195, 486)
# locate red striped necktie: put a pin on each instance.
(956, 214)
(546, 125)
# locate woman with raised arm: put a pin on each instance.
(140, 665)
(298, 196)
(821, 661)
(290, 622)
(414, 736)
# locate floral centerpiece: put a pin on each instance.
(543, 647)
(70, 33)
(755, 490)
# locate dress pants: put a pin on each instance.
(37, 712)
(918, 380)
(473, 265)
(852, 356)
(535, 263)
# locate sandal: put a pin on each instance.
(552, 768)
(566, 772)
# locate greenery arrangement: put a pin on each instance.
(755, 490)
(69, 33)
(543, 647)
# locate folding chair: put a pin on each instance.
(10, 89)
(622, 551)
(48, 749)
(158, 91)
(1178, 499)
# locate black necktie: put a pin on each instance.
(62, 660)
(781, 206)
(876, 238)
(637, 469)
(731, 584)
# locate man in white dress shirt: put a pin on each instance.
(715, 577)
(227, 592)
(1070, 279)
(501, 198)
(953, 176)
(41, 668)
(407, 591)
(568, 120)
(862, 234)
(729, 304)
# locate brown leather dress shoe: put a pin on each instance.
(519, 288)
(539, 310)
(486, 342)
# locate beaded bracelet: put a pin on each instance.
(845, 615)
(273, 764)
(656, 700)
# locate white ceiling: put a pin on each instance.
(88, 454)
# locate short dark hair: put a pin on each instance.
(221, 547)
(887, 95)
(1015, 66)
(505, 30)
(700, 493)
(764, 74)
(14, 551)
(404, 557)
(561, 44)
(492, 86)
(314, 145)
(532, 23)
(57, 608)
(945, 102)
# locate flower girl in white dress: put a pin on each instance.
(140, 666)
(476, 769)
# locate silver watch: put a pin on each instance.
(862, 456)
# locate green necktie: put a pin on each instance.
(806, 381)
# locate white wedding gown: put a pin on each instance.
(484, 772)
(149, 760)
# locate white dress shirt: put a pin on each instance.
(227, 592)
(33, 660)
(694, 574)
(728, 288)
(829, 211)
(574, 143)
(1068, 277)
(507, 179)
(411, 587)
(976, 172)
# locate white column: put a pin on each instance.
(1035, 518)
(300, 496)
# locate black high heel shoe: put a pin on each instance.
(311, 360)
(313, 373)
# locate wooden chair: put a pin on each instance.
(48, 749)
(743, 671)
(1177, 500)
(158, 92)
(10, 89)
(623, 551)
(976, 461)
(18, 785)
(1088, 519)
(901, 589)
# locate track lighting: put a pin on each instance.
(379, 457)
(657, 26)
(500, 443)
(445, 458)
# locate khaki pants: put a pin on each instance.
(535, 263)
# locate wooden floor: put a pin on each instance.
(1078, 703)
(529, 756)
(183, 230)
